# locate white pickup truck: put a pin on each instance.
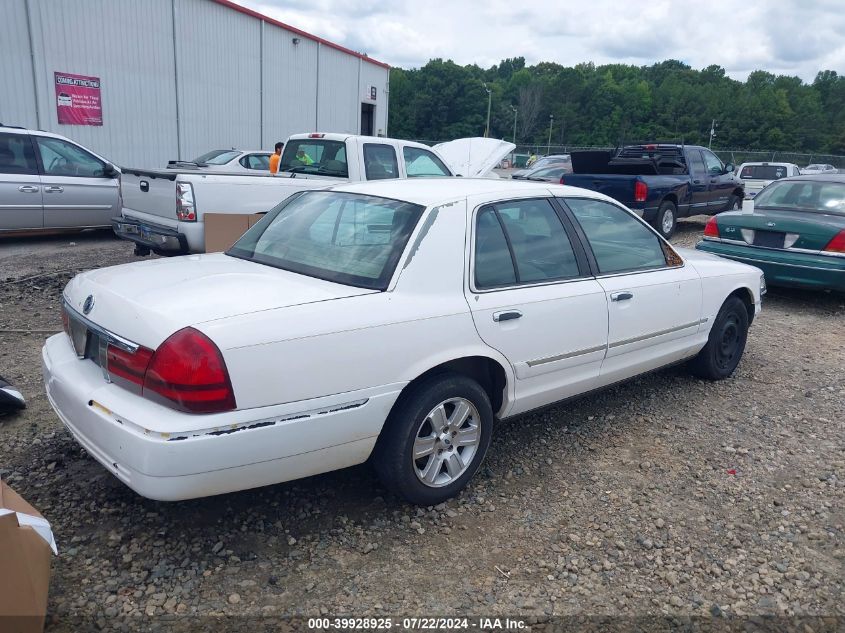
(162, 210)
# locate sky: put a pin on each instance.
(781, 36)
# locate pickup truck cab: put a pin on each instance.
(163, 210)
(659, 181)
(758, 176)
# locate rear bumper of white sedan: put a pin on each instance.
(167, 455)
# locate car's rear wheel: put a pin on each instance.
(667, 217)
(435, 439)
(726, 343)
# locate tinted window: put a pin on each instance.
(342, 237)
(696, 163)
(619, 241)
(315, 156)
(17, 155)
(803, 195)
(764, 172)
(61, 158)
(712, 162)
(522, 242)
(380, 161)
(420, 162)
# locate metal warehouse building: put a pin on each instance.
(172, 79)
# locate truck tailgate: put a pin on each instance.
(618, 186)
(149, 192)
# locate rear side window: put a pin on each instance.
(522, 241)
(696, 163)
(380, 161)
(17, 155)
(620, 242)
(256, 161)
(420, 162)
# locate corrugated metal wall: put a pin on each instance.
(229, 79)
(17, 95)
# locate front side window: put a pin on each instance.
(315, 156)
(346, 238)
(420, 163)
(380, 161)
(712, 162)
(696, 163)
(61, 158)
(17, 155)
(620, 242)
(522, 241)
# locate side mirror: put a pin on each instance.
(110, 171)
(729, 168)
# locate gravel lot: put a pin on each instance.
(666, 495)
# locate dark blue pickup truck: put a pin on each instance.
(661, 181)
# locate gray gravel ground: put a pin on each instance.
(667, 495)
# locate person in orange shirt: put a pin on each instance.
(275, 158)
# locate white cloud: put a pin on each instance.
(783, 37)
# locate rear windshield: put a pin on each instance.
(315, 156)
(217, 157)
(803, 195)
(763, 172)
(347, 238)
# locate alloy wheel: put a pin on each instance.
(446, 442)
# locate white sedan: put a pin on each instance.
(392, 319)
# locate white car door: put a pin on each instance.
(534, 300)
(653, 298)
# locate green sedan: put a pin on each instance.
(795, 235)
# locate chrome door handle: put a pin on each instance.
(54, 189)
(621, 296)
(28, 189)
(507, 315)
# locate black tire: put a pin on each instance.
(734, 203)
(718, 359)
(666, 219)
(393, 455)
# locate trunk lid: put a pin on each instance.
(474, 157)
(148, 301)
(800, 229)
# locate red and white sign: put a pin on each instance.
(78, 99)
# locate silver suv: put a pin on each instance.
(49, 182)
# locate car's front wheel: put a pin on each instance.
(726, 343)
(734, 203)
(435, 439)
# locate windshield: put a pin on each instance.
(803, 195)
(315, 156)
(763, 172)
(342, 237)
(217, 157)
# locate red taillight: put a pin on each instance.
(187, 372)
(640, 191)
(185, 208)
(561, 179)
(316, 135)
(128, 368)
(711, 229)
(837, 244)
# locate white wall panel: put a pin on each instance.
(128, 45)
(218, 53)
(290, 85)
(17, 92)
(339, 105)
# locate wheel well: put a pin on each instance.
(671, 198)
(747, 298)
(739, 193)
(485, 371)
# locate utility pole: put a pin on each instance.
(489, 103)
(549, 146)
(712, 132)
(515, 110)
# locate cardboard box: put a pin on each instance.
(223, 229)
(26, 545)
